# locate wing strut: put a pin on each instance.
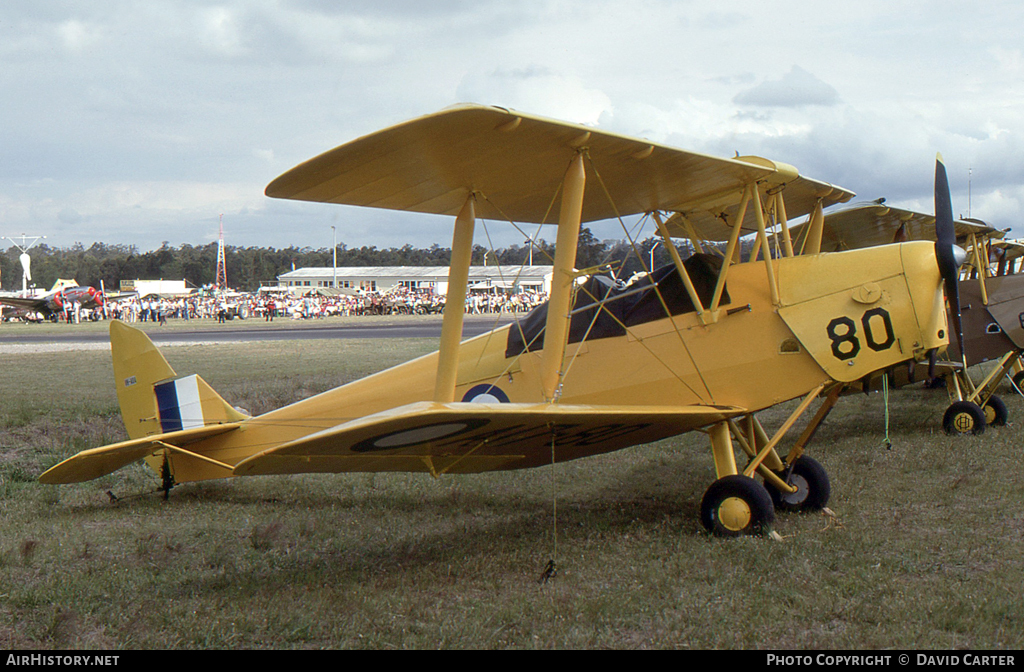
(980, 251)
(455, 303)
(730, 250)
(687, 282)
(556, 328)
(762, 233)
(812, 240)
(783, 220)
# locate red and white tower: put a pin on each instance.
(222, 271)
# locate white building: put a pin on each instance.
(384, 278)
(161, 287)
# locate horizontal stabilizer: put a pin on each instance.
(90, 464)
(473, 437)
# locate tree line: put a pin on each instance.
(250, 267)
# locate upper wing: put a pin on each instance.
(472, 437)
(1007, 250)
(515, 162)
(873, 224)
(713, 218)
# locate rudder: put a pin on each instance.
(152, 399)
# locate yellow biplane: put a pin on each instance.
(991, 301)
(700, 345)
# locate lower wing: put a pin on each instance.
(473, 437)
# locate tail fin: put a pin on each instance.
(152, 399)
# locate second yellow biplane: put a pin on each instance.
(701, 345)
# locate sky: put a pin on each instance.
(154, 121)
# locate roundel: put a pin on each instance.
(485, 393)
(419, 435)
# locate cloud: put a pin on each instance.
(537, 90)
(743, 78)
(76, 35)
(218, 31)
(69, 216)
(796, 88)
(141, 118)
(1001, 207)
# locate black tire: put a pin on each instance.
(736, 505)
(812, 483)
(1018, 380)
(996, 414)
(964, 417)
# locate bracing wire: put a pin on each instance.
(551, 568)
(885, 396)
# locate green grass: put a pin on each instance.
(924, 550)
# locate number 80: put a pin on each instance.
(842, 331)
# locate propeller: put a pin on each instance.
(948, 255)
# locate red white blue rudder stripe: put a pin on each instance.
(179, 404)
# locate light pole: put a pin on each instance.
(334, 280)
(530, 243)
(656, 243)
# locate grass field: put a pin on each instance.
(926, 548)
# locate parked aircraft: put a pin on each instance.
(992, 303)
(703, 344)
(54, 301)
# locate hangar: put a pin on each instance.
(385, 278)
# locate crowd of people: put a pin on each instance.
(270, 306)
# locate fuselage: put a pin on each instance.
(839, 316)
(55, 302)
(994, 328)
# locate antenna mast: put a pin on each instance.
(970, 170)
(222, 272)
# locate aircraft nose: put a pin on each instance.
(959, 255)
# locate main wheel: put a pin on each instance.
(812, 487)
(736, 505)
(995, 412)
(1018, 380)
(964, 417)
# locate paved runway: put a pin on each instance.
(206, 332)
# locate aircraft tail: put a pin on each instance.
(153, 399)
